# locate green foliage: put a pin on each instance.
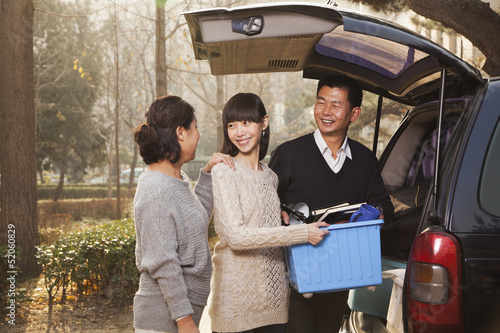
(367, 118)
(67, 77)
(211, 229)
(97, 262)
(296, 119)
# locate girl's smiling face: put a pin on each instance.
(246, 135)
(244, 120)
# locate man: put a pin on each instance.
(322, 169)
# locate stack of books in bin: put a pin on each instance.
(349, 257)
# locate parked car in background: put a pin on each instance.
(125, 175)
(446, 229)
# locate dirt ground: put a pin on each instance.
(76, 315)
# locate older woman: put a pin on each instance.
(171, 220)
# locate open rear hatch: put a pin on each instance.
(319, 40)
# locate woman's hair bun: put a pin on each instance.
(145, 136)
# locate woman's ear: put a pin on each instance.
(265, 122)
(180, 131)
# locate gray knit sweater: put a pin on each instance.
(172, 253)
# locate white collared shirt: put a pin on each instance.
(334, 163)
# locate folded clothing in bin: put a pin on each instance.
(349, 257)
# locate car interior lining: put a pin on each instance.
(408, 169)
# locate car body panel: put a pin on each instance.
(396, 63)
(476, 228)
(467, 214)
(319, 40)
(481, 295)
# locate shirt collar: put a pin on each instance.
(321, 143)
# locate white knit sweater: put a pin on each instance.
(250, 286)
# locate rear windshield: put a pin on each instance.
(385, 57)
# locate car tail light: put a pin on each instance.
(434, 284)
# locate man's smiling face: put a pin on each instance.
(333, 112)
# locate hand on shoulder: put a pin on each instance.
(219, 158)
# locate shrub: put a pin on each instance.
(211, 229)
(98, 262)
(60, 213)
(46, 192)
(49, 235)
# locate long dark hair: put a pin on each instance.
(244, 107)
(157, 137)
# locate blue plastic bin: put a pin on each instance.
(349, 257)
(375, 303)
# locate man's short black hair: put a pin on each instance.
(354, 90)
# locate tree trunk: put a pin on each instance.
(110, 175)
(60, 184)
(18, 196)
(40, 173)
(161, 58)
(108, 143)
(474, 19)
(220, 104)
(132, 167)
(117, 119)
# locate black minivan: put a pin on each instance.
(446, 228)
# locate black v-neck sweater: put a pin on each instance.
(304, 176)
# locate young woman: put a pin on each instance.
(171, 221)
(249, 286)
